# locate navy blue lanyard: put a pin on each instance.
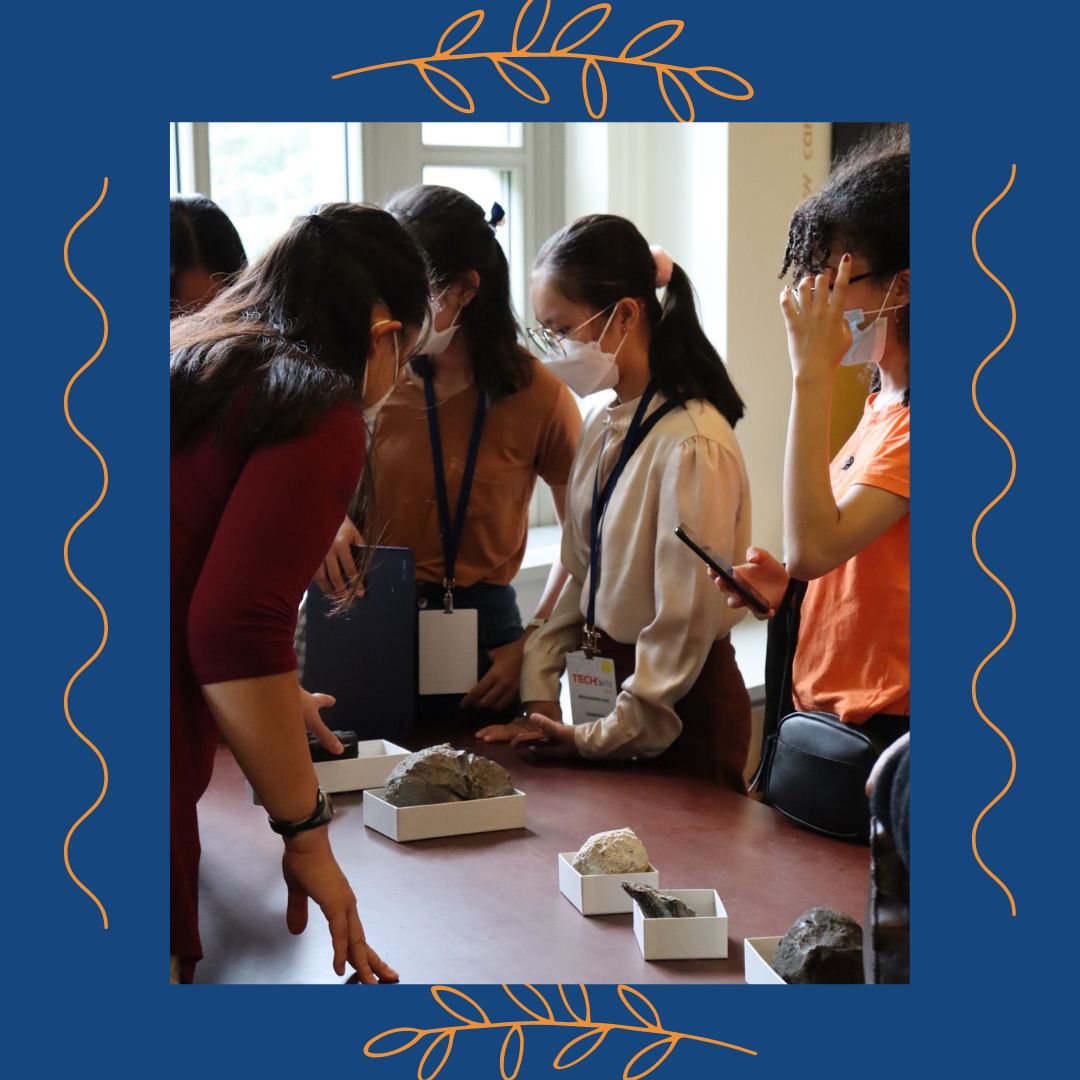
(450, 532)
(636, 434)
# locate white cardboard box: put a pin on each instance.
(703, 937)
(375, 760)
(600, 894)
(758, 953)
(404, 823)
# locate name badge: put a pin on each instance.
(592, 686)
(449, 651)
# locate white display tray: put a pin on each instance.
(600, 894)
(375, 760)
(758, 953)
(703, 937)
(403, 823)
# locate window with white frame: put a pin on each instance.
(264, 174)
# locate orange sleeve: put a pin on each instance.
(890, 466)
(559, 439)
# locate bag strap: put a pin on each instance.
(783, 636)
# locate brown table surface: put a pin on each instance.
(486, 908)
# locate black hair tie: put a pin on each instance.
(498, 215)
(322, 225)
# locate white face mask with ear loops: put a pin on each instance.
(583, 365)
(868, 344)
(438, 341)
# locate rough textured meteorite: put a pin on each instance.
(442, 774)
(822, 946)
(349, 739)
(657, 905)
(616, 852)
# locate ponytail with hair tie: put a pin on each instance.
(598, 260)
(664, 265)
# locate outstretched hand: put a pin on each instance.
(311, 871)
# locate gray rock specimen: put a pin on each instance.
(618, 851)
(822, 946)
(657, 905)
(441, 774)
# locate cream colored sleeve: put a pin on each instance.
(703, 487)
(546, 648)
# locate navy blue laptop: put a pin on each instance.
(366, 657)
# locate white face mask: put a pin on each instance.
(437, 341)
(372, 411)
(583, 365)
(868, 344)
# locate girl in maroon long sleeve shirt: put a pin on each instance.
(269, 387)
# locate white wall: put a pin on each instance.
(718, 197)
(771, 168)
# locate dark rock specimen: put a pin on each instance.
(349, 739)
(442, 774)
(657, 905)
(822, 946)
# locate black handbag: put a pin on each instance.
(813, 767)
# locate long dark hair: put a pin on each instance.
(600, 259)
(864, 207)
(456, 234)
(294, 330)
(201, 236)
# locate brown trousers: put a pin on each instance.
(715, 715)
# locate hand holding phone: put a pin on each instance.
(723, 569)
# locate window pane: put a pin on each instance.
(486, 186)
(174, 175)
(466, 134)
(264, 175)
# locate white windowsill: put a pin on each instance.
(542, 548)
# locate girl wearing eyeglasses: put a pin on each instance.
(643, 637)
(473, 383)
(269, 384)
(846, 523)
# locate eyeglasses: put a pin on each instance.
(544, 339)
(851, 280)
(547, 341)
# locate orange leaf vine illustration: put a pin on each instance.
(673, 80)
(536, 1011)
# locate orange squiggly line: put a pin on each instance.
(67, 560)
(978, 558)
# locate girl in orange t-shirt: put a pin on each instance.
(846, 524)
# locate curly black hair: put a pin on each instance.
(864, 208)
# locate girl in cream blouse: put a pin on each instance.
(595, 291)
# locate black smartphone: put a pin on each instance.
(724, 569)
